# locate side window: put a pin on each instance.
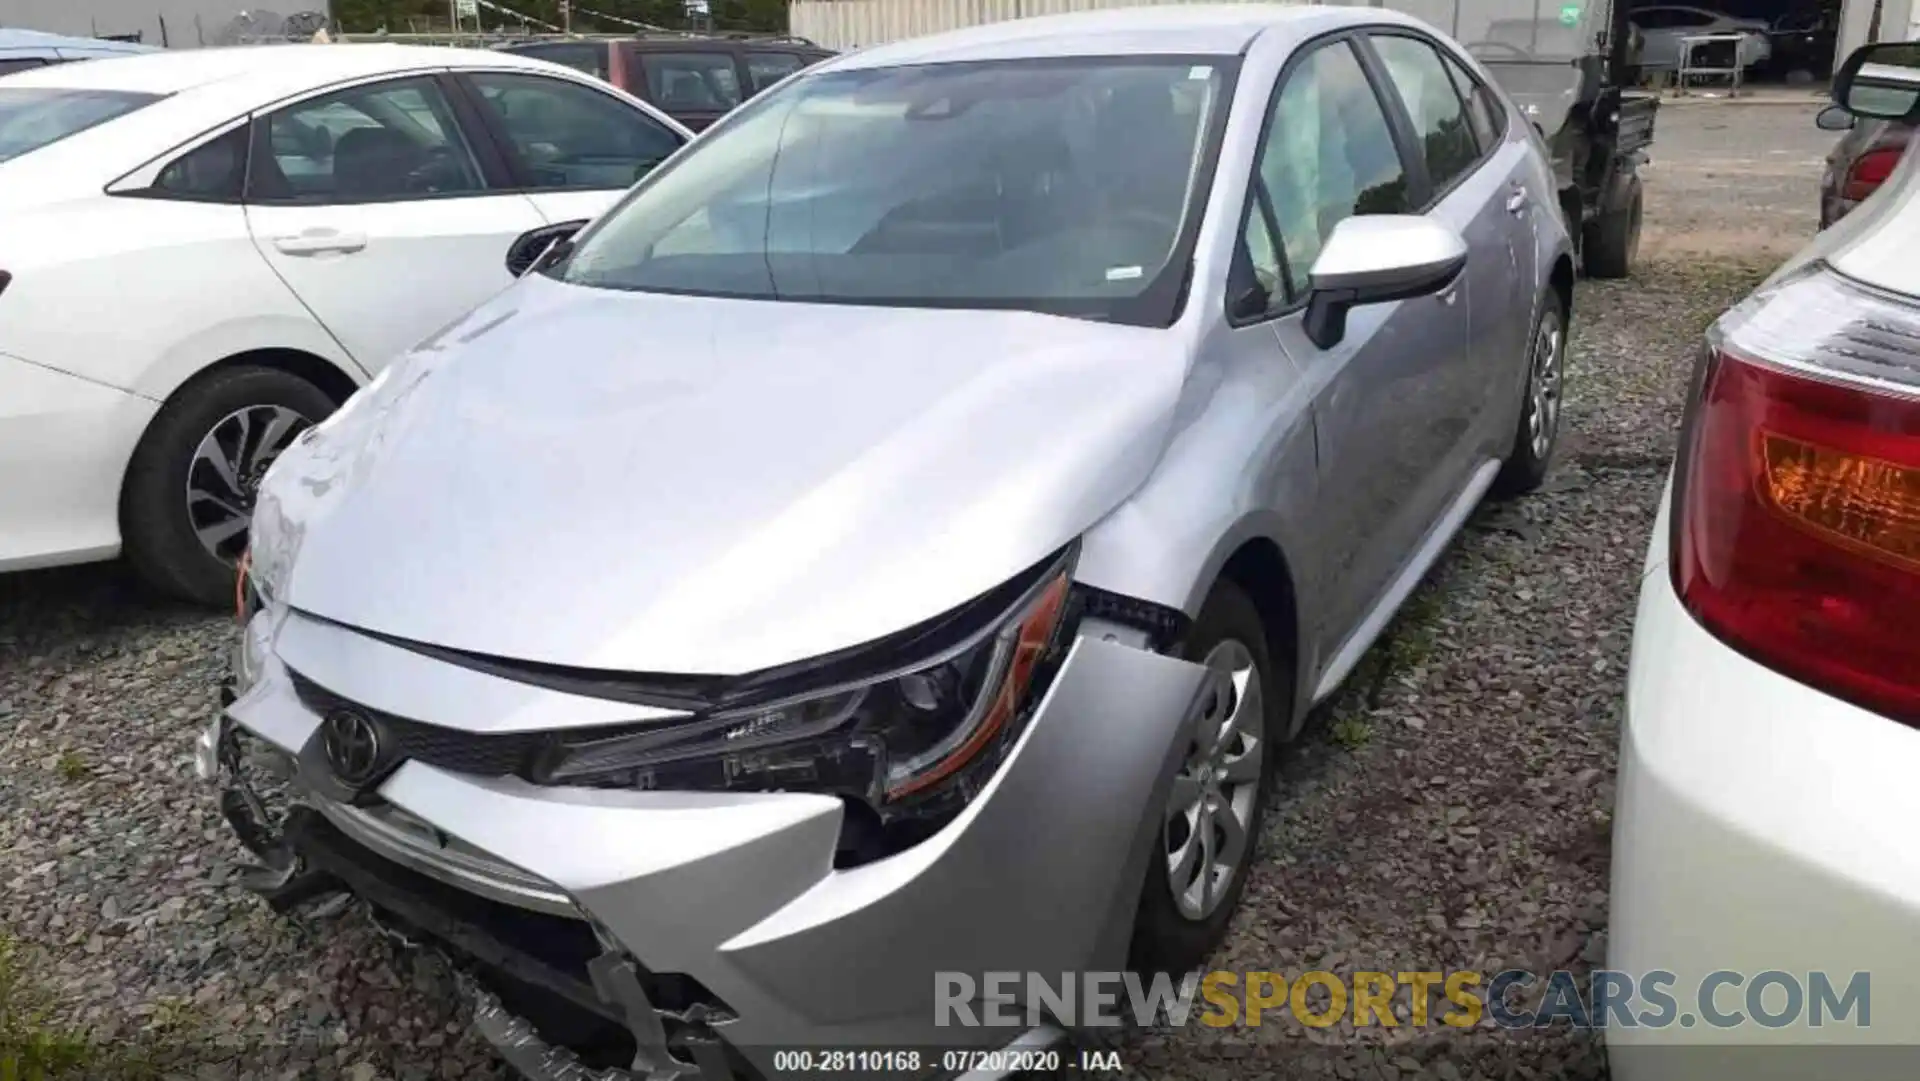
(382, 141)
(213, 171)
(1327, 155)
(564, 135)
(694, 82)
(20, 63)
(583, 57)
(1439, 116)
(765, 69)
(1484, 111)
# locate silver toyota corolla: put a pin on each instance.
(898, 538)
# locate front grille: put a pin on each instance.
(498, 754)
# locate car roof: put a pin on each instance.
(1169, 29)
(174, 71)
(12, 40)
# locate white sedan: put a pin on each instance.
(1664, 29)
(206, 252)
(1763, 838)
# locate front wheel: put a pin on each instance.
(189, 492)
(1211, 815)
(1539, 429)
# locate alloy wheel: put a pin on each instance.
(1209, 819)
(223, 479)
(1543, 387)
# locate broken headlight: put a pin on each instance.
(920, 738)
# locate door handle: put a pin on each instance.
(319, 241)
(1517, 200)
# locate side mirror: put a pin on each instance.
(1880, 81)
(1375, 258)
(542, 247)
(1834, 118)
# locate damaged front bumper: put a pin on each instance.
(615, 934)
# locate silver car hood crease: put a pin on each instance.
(655, 483)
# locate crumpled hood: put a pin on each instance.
(652, 483)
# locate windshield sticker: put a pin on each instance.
(1569, 14)
(1123, 273)
(1200, 71)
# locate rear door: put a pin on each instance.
(572, 148)
(384, 208)
(1482, 194)
(695, 85)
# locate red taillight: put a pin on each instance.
(1797, 531)
(1869, 171)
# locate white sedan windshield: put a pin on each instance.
(1059, 185)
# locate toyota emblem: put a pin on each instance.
(352, 742)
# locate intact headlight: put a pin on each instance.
(916, 740)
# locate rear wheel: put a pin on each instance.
(188, 496)
(1611, 241)
(1211, 816)
(1539, 429)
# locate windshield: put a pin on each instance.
(1058, 185)
(32, 117)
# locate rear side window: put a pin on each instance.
(765, 69)
(692, 82)
(1439, 116)
(33, 117)
(214, 171)
(20, 63)
(1484, 111)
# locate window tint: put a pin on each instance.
(20, 63)
(211, 171)
(1328, 156)
(589, 58)
(694, 82)
(388, 140)
(765, 69)
(33, 117)
(1439, 117)
(570, 136)
(1484, 111)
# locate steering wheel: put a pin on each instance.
(1512, 50)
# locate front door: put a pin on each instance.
(374, 207)
(1379, 394)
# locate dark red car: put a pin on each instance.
(1860, 162)
(694, 79)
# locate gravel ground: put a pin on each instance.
(1449, 811)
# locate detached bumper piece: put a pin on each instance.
(553, 1001)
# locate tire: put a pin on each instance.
(239, 409)
(1529, 458)
(1168, 936)
(1612, 240)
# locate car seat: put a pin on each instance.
(374, 163)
